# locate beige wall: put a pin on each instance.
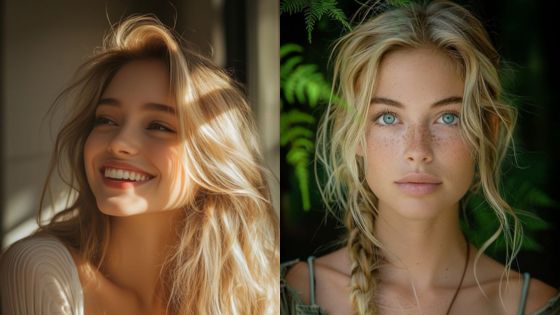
(263, 76)
(45, 41)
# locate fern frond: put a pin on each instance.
(295, 117)
(288, 67)
(294, 133)
(299, 158)
(313, 11)
(293, 6)
(302, 84)
(289, 48)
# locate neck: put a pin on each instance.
(136, 252)
(426, 253)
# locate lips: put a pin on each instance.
(123, 175)
(418, 184)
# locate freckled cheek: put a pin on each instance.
(383, 146)
(383, 151)
(455, 154)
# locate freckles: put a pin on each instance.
(383, 146)
(454, 147)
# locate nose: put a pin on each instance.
(123, 143)
(418, 145)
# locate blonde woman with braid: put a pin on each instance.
(420, 125)
(172, 213)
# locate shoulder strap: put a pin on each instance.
(524, 292)
(311, 268)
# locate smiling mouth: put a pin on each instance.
(115, 174)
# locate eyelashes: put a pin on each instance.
(153, 125)
(101, 120)
(388, 118)
(159, 127)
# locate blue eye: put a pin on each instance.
(449, 119)
(386, 118)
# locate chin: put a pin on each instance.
(417, 210)
(122, 209)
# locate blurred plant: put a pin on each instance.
(479, 223)
(301, 84)
(304, 88)
(313, 11)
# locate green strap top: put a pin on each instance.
(551, 308)
(292, 304)
(524, 292)
(311, 266)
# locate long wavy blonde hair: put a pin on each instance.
(487, 124)
(226, 260)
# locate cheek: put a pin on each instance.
(174, 182)
(383, 154)
(92, 146)
(456, 157)
(382, 148)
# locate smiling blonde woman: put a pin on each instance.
(421, 124)
(172, 213)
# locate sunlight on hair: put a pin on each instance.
(487, 126)
(226, 259)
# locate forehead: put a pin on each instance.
(141, 81)
(415, 75)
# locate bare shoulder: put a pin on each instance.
(333, 272)
(506, 291)
(336, 262)
(297, 278)
(330, 271)
(539, 295)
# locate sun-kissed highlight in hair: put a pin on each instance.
(486, 124)
(226, 258)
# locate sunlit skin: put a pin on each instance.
(419, 167)
(136, 127)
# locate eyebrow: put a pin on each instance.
(148, 106)
(390, 102)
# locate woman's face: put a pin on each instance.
(418, 165)
(132, 156)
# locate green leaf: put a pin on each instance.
(288, 66)
(313, 11)
(294, 133)
(299, 158)
(295, 117)
(289, 48)
(304, 143)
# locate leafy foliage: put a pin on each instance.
(313, 11)
(303, 87)
(480, 222)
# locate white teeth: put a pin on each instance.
(126, 175)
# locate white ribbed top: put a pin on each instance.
(38, 276)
